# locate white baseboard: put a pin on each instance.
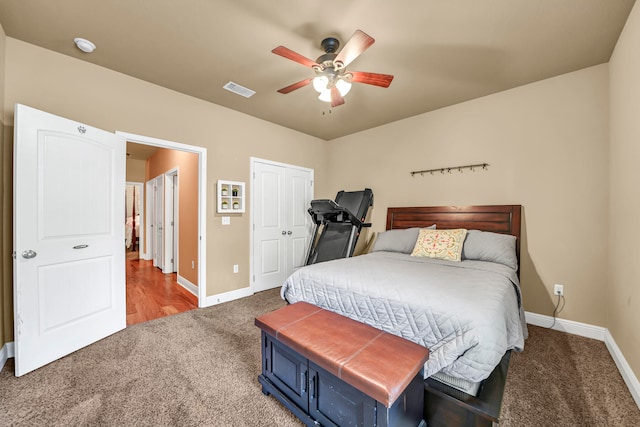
(569, 326)
(227, 296)
(6, 352)
(596, 332)
(188, 285)
(625, 370)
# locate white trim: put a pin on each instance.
(202, 200)
(595, 332)
(569, 326)
(188, 285)
(625, 370)
(228, 296)
(6, 352)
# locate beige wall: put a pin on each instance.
(161, 162)
(624, 199)
(135, 170)
(546, 144)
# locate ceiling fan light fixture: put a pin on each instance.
(343, 86)
(320, 83)
(325, 95)
(332, 81)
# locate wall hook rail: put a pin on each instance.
(472, 168)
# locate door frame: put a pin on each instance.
(202, 200)
(252, 162)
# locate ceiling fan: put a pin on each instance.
(332, 80)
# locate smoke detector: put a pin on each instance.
(84, 45)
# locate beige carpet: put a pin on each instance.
(200, 368)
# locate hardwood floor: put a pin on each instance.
(152, 294)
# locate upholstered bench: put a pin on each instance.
(331, 370)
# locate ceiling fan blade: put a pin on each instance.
(295, 86)
(382, 80)
(336, 98)
(295, 56)
(358, 43)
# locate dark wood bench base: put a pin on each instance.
(333, 371)
(330, 401)
(444, 406)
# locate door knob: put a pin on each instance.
(289, 233)
(284, 232)
(28, 254)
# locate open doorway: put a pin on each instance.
(134, 212)
(180, 283)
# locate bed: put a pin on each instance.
(468, 312)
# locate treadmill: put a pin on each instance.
(338, 224)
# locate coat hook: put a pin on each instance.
(484, 166)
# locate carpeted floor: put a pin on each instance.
(200, 368)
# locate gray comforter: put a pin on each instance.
(466, 313)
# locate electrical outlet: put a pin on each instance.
(558, 290)
(235, 268)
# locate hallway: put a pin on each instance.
(152, 294)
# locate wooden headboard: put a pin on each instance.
(497, 218)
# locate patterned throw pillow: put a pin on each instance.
(440, 244)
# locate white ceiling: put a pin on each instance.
(441, 52)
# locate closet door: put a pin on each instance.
(269, 228)
(281, 195)
(299, 194)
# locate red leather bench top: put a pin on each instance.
(377, 363)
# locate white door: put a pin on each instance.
(149, 251)
(282, 227)
(69, 277)
(299, 193)
(269, 263)
(170, 218)
(158, 257)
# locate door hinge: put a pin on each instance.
(13, 254)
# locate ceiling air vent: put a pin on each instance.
(239, 90)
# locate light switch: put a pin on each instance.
(226, 220)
